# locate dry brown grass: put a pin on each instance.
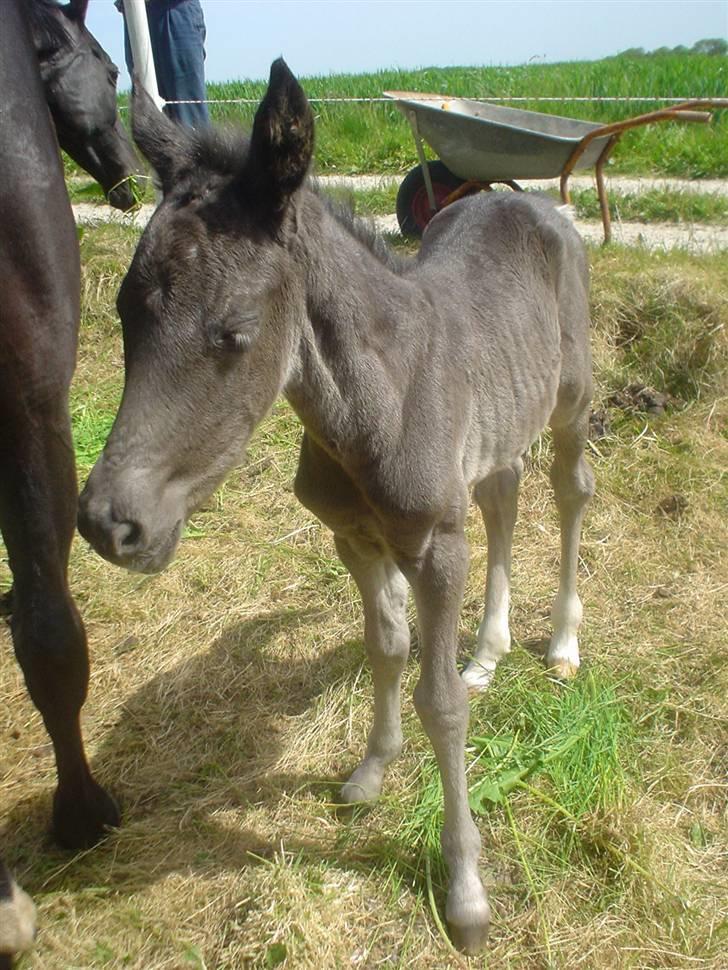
(229, 696)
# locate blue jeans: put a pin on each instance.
(177, 33)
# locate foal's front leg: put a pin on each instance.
(441, 700)
(383, 591)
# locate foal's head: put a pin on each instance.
(79, 80)
(209, 311)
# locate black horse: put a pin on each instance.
(79, 80)
(39, 317)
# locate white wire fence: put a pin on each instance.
(595, 99)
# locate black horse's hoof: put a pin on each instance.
(80, 820)
(6, 603)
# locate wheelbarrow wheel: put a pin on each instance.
(413, 206)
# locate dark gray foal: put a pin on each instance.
(416, 381)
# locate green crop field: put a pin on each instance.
(375, 138)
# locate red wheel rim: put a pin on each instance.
(420, 209)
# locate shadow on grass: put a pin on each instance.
(197, 740)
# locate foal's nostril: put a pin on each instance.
(133, 534)
(126, 537)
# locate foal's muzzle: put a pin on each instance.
(123, 538)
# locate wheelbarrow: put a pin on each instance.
(480, 144)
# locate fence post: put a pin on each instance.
(141, 48)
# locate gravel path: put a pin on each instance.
(621, 184)
(693, 237)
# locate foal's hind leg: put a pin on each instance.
(383, 591)
(497, 496)
(573, 484)
(37, 519)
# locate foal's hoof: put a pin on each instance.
(563, 669)
(469, 922)
(469, 939)
(477, 676)
(365, 784)
(80, 820)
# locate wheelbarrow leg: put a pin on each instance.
(601, 188)
(423, 162)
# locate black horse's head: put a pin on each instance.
(79, 79)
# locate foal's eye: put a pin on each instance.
(234, 341)
(46, 53)
(236, 336)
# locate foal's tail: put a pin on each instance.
(567, 210)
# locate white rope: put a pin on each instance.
(440, 97)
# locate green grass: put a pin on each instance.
(652, 205)
(375, 137)
(230, 696)
(368, 202)
(667, 319)
(356, 138)
(81, 188)
(655, 205)
(91, 426)
(554, 754)
(568, 745)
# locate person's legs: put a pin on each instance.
(177, 30)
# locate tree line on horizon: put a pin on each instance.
(714, 46)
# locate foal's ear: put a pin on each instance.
(76, 10)
(166, 146)
(282, 142)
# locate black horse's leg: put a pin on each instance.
(37, 517)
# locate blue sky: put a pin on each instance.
(334, 36)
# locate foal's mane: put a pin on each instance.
(224, 150)
(362, 230)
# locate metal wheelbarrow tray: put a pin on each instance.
(481, 143)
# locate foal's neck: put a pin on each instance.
(355, 351)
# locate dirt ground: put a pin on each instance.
(692, 237)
